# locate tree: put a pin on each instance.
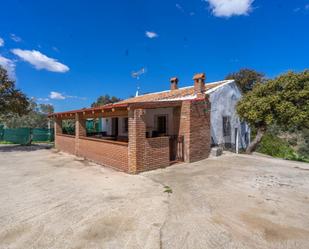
(12, 100)
(246, 79)
(283, 101)
(37, 117)
(104, 100)
(46, 108)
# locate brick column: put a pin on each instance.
(80, 130)
(57, 126)
(195, 127)
(137, 140)
(57, 130)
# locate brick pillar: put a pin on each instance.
(57, 126)
(137, 140)
(80, 130)
(57, 129)
(195, 127)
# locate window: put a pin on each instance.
(125, 125)
(162, 124)
(226, 126)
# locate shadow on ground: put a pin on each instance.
(33, 147)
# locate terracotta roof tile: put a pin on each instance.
(184, 92)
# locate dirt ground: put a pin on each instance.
(54, 200)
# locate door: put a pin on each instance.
(227, 131)
(115, 127)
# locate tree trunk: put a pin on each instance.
(252, 146)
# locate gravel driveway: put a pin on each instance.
(54, 200)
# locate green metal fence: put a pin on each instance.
(25, 136)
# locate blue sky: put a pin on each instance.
(67, 53)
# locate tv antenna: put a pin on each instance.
(136, 75)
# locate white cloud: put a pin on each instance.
(9, 65)
(61, 96)
(43, 99)
(228, 8)
(296, 9)
(1, 42)
(151, 34)
(56, 95)
(15, 38)
(40, 61)
(178, 6)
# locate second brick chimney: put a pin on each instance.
(199, 84)
(174, 83)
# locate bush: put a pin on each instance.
(278, 147)
(275, 146)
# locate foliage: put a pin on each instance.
(68, 126)
(104, 100)
(12, 100)
(277, 147)
(246, 79)
(37, 117)
(303, 149)
(283, 101)
(167, 189)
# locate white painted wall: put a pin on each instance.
(223, 103)
(150, 121)
(121, 130)
(107, 125)
(151, 115)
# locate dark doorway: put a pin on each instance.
(227, 131)
(176, 148)
(115, 127)
(162, 124)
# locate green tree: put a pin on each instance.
(246, 79)
(283, 101)
(12, 100)
(104, 100)
(37, 117)
(46, 108)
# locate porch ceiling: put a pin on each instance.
(112, 110)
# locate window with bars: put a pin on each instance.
(226, 126)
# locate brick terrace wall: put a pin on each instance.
(156, 153)
(108, 153)
(145, 153)
(195, 127)
(65, 143)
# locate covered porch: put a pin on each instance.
(131, 137)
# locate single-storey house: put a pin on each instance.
(157, 129)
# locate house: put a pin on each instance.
(157, 129)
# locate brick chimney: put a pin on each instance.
(199, 84)
(174, 83)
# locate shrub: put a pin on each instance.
(278, 147)
(275, 146)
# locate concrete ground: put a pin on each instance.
(54, 200)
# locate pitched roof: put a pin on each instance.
(168, 97)
(178, 94)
